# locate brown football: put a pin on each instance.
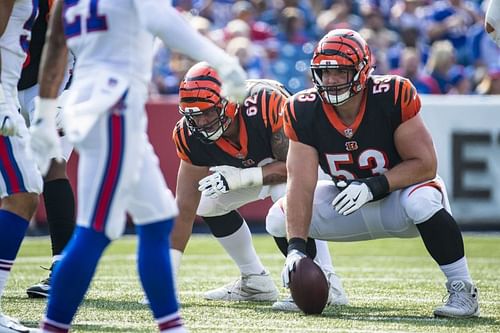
(309, 286)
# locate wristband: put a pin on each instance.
(252, 176)
(378, 185)
(297, 243)
(46, 108)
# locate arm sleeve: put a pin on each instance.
(162, 20)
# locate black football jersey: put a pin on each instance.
(29, 75)
(366, 147)
(260, 115)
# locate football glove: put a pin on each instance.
(352, 198)
(44, 142)
(8, 126)
(233, 80)
(356, 193)
(291, 259)
(492, 20)
(226, 178)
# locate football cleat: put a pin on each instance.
(336, 296)
(42, 288)
(12, 325)
(462, 301)
(255, 287)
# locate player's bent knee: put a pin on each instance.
(275, 220)
(423, 203)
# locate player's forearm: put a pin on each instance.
(298, 210)
(5, 12)
(274, 173)
(181, 233)
(183, 227)
(410, 172)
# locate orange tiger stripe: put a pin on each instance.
(180, 142)
(291, 104)
(397, 84)
(263, 105)
(410, 101)
(289, 131)
(275, 112)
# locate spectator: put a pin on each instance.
(253, 63)
(449, 20)
(441, 60)
(410, 68)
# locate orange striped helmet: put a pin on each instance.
(200, 102)
(343, 50)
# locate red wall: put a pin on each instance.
(163, 114)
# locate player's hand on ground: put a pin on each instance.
(291, 259)
(44, 142)
(233, 80)
(355, 195)
(226, 178)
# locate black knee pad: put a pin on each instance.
(224, 225)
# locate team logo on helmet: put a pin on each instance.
(346, 50)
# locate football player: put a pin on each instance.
(57, 192)
(492, 20)
(104, 117)
(366, 132)
(232, 154)
(20, 180)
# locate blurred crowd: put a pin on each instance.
(441, 46)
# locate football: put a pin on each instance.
(309, 286)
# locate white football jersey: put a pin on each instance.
(14, 43)
(95, 30)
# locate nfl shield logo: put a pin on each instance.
(348, 133)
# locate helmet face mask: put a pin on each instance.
(209, 124)
(201, 103)
(342, 52)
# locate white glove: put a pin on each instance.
(44, 142)
(8, 126)
(352, 198)
(226, 178)
(61, 101)
(233, 80)
(291, 259)
(492, 20)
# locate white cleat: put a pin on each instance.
(12, 325)
(257, 287)
(336, 296)
(462, 302)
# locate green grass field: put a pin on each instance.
(393, 286)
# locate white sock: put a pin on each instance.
(240, 247)
(457, 270)
(4, 275)
(175, 260)
(323, 255)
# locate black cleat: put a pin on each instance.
(42, 288)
